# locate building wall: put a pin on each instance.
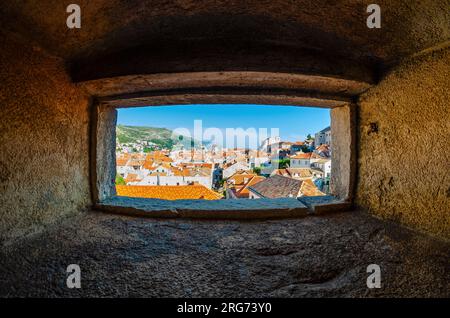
(228, 172)
(404, 133)
(300, 163)
(252, 195)
(43, 140)
(258, 161)
(324, 166)
(322, 137)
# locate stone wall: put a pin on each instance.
(404, 133)
(105, 153)
(43, 141)
(343, 151)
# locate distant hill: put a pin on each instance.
(159, 136)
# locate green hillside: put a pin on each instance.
(158, 136)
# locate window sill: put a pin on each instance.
(222, 209)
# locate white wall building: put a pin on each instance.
(301, 160)
(228, 172)
(324, 165)
(258, 161)
(269, 141)
(323, 137)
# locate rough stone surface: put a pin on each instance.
(229, 209)
(327, 204)
(43, 140)
(404, 129)
(319, 37)
(105, 145)
(403, 139)
(321, 26)
(230, 97)
(272, 88)
(323, 256)
(343, 151)
(200, 80)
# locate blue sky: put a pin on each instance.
(293, 122)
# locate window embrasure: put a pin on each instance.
(207, 169)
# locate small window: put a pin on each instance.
(206, 158)
(191, 146)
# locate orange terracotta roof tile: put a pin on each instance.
(299, 172)
(323, 147)
(316, 156)
(132, 177)
(157, 157)
(120, 162)
(166, 165)
(281, 172)
(309, 189)
(302, 156)
(240, 178)
(176, 172)
(192, 192)
(148, 164)
(135, 162)
(123, 155)
(244, 192)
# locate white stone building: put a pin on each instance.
(323, 137)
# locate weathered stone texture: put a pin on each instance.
(105, 162)
(321, 26)
(343, 154)
(204, 209)
(324, 256)
(43, 140)
(404, 133)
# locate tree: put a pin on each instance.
(309, 136)
(305, 149)
(120, 180)
(282, 163)
(257, 170)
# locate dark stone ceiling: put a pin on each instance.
(332, 27)
(118, 36)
